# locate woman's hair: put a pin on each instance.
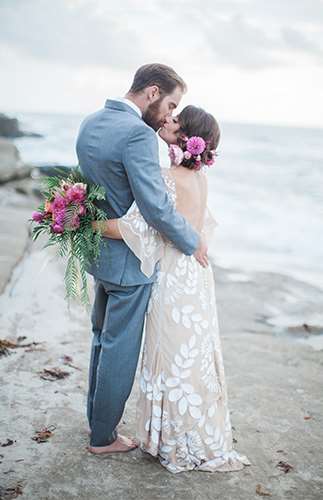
(195, 122)
(157, 74)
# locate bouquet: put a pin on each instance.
(66, 216)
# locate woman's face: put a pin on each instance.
(170, 131)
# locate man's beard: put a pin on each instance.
(151, 115)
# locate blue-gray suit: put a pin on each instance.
(119, 151)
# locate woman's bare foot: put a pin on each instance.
(120, 445)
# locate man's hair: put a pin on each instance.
(157, 74)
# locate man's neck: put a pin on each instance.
(136, 100)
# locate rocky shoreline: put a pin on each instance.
(10, 128)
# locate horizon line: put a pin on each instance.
(224, 120)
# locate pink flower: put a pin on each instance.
(76, 193)
(197, 164)
(176, 154)
(58, 216)
(75, 222)
(48, 207)
(195, 145)
(57, 228)
(82, 210)
(211, 158)
(59, 203)
(187, 155)
(37, 216)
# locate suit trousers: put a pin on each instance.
(117, 323)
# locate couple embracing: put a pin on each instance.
(155, 271)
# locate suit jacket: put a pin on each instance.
(119, 151)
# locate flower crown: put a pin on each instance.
(192, 152)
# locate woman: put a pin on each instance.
(182, 411)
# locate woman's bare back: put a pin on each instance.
(191, 194)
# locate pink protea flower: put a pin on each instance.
(176, 154)
(37, 216)
(195, 145)
(76, 193)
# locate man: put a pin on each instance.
(117, 148)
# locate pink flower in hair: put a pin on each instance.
(187, 155)
(195, 145)
(211, 159)
(176, 154)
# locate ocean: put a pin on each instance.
(265, 191)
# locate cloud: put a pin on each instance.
(238, 42)
(74, 33)
(250, 34)
(253, 34)
(299, 42)
(246, 59)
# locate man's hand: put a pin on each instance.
(201, 253)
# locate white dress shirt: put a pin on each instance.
(130, 103)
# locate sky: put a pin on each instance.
(255, 61)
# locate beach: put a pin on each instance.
(271, 334)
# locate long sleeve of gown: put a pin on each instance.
(144, 241)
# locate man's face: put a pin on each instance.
(159, 111)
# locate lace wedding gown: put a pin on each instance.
(182, 411)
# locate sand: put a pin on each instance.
(273, 368)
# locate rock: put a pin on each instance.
(9, 127)
(11, 165)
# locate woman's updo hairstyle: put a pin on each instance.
(196, 123)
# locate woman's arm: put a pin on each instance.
(109, 228)
(144, 241)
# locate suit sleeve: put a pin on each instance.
(141, 161)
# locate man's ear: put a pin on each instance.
(153, 93)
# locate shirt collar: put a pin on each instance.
(129, 103)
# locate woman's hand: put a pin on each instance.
(98, 225)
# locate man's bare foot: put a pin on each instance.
(120, 445)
